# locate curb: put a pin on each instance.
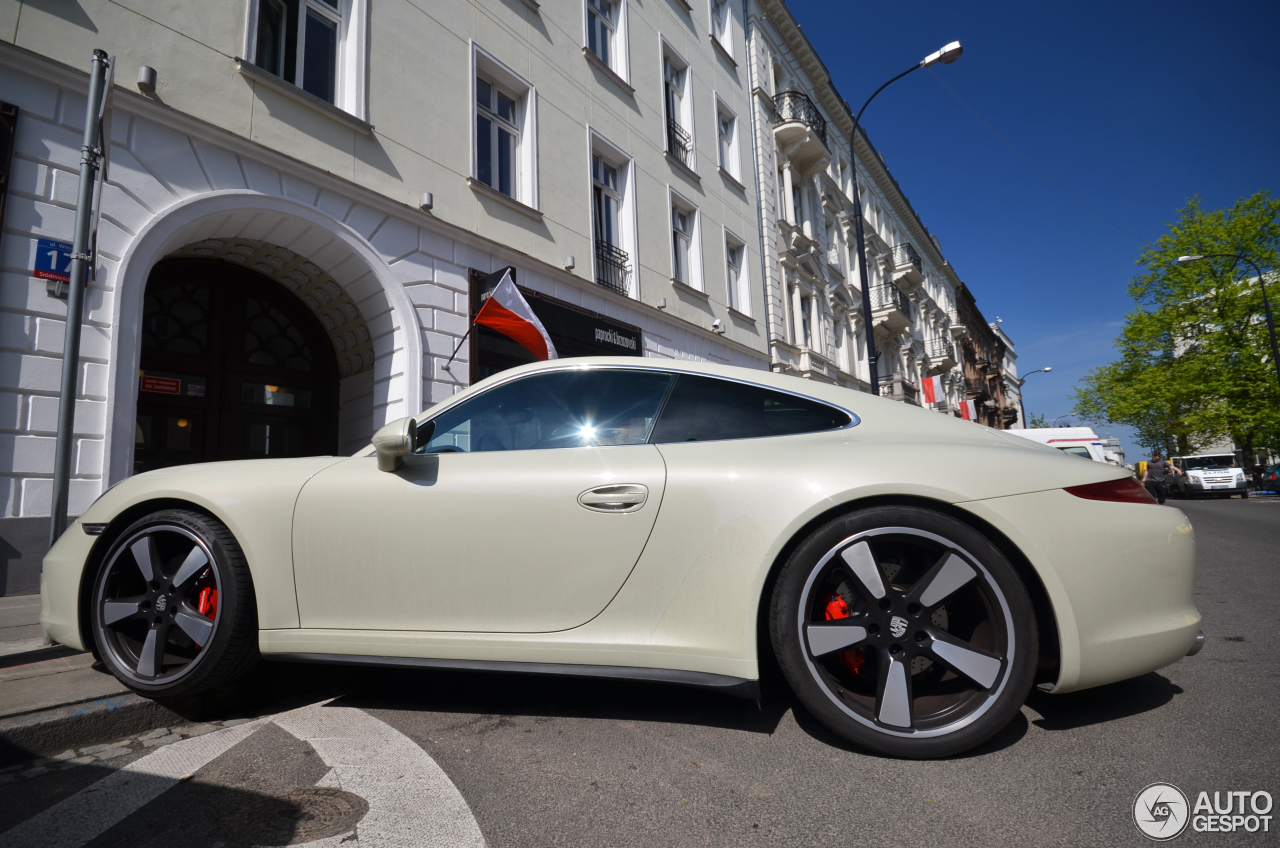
(73, 725)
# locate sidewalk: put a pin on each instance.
(52, 696)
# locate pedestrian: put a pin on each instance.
(1153, 477)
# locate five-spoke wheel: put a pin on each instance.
(172, 605)
(905, 631)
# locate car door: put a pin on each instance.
(524, 512)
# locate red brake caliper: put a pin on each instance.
(837, 608)
(206, 598)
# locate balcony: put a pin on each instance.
(612, 268)
(907, 268)
(896, 389)
(801, 132)
(977, 386)
(941, 352)
(679, 143)
(890, 308)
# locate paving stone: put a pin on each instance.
(38, 770)
(151, 742)
(113, 753)
(94, 749)
(156, 734)
(193, 730)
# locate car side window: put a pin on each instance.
(1076, 450)
(558, 409)
(704, 409)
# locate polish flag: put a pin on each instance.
(508, 312)
(933, 389)
(969, 410)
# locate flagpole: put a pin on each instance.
(459, 347)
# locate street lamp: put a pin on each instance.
(945, 56)
(1022, 406)
(1183, 261)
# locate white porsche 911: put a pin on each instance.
(913, 574)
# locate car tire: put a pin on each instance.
(173, 609)
(904, 631)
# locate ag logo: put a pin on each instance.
(1160, 811)
(897, 626)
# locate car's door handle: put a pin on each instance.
(626, 497)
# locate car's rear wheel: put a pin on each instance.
(173, 606)
(905, 631)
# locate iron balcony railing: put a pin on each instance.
(939, 349)
(906, 253)
(977, 386)
(612, 267)
(889, 296)
(796, 106)
(679, 142)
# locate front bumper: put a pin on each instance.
(60, 584)
(1199, 487)
(1120, 578)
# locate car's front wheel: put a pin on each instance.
(905, 631)
(173, 605)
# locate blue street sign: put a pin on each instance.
(53, 260)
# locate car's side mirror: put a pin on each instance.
(394, 441)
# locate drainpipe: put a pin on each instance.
(755, 160)
(90, 161)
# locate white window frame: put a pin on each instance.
(734, 156)
(624, 163)
(679, 201)
(619, 59)
(725, 38)
(485, 64)
(668, 54)
(742, 292)
(350, 89)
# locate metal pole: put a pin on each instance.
(873, 357)
(90, 157)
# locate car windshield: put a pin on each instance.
(1195, 462)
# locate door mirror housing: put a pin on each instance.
(395, 441)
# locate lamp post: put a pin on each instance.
(1183, 261)
(1022, 381)
(945, 56)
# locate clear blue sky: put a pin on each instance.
(1132, 106)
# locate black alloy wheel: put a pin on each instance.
(173, 606)
(905, 631)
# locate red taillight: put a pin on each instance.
(1126, 490)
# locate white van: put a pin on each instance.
(1211, 474)
(1076, 441)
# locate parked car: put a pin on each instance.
(913, 574)
(1075, 441)
(1269, 479)
(1214, 475)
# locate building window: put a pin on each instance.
(612, 216)
(805, 333)
(316, 45)
(686, 264)
(797, 205)
(497, 137)
(735, 273)
(505, 129)
(722, 24)
(727, 140)
(675, 101)
(607, 33)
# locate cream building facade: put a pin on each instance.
(301, 218)
(805, 164)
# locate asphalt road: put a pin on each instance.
(540, 762)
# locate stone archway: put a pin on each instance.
(370, 396)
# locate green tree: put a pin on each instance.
(1195, 357)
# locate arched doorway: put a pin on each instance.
(232, 366)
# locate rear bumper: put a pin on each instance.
(1120, 578)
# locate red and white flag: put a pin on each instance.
(933, 389)
(508, 312)
(969, 410)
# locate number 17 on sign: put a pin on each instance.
(53, 263)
